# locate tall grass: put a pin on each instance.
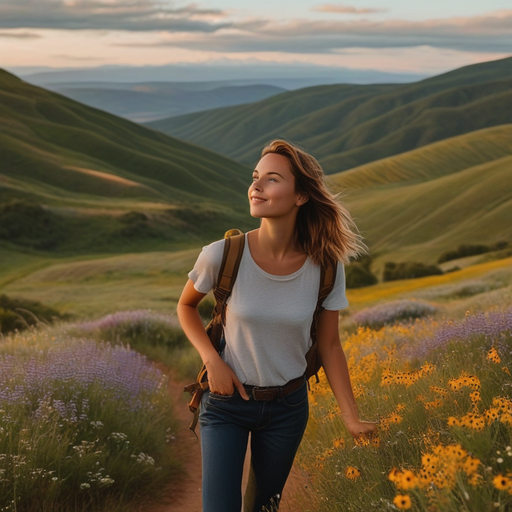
(84, 426)
(442, 394)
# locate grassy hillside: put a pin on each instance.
(416, 205)
(349, 125)
(85, 180)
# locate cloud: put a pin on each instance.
(485, 33)
(20, 35)
(346, 9)
(77, 58)
(131, 15)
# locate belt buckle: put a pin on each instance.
(269, 393)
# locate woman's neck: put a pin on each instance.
(275, 239)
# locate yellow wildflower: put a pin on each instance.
(402, 501)
(502, 483)
(352, 473)
(493, 356)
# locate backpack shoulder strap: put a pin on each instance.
(233, 251)
(327, 280)
(231, 258)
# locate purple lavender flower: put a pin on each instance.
(495, 327)
(65, 372)
(391, 312)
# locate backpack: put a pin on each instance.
(233, 251)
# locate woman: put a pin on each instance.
(267, 331)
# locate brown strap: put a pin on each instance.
(231, 258)
(327, 280)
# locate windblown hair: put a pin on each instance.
(324, 228)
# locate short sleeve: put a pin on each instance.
(206, 269)
(337, 299)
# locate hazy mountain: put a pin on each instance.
(288, 76)
(349, 125)
(156, 100)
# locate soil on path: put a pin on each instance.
(184, 495)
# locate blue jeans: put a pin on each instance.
(276, 428)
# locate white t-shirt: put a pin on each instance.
(268, 317)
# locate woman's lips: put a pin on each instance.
(257, 199)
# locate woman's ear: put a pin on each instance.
(302, 200)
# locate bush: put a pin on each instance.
(469, 250)
(134, 224)
(22, 313)
(28, 223)
(358, 273)
(357, 276)
(408, 270)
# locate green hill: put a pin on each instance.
(416, 205)
(78, 179)
(349, 125)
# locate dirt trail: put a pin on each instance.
(185, 494)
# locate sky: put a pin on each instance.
(395, 36)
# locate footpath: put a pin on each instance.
(184, 495)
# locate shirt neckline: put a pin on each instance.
(275, 277)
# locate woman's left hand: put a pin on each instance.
(359, 429)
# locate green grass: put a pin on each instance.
(88, 168)
(417, 205)
(345, 126)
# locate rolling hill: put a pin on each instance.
(416, 205)
(345, 126)
(93, 181)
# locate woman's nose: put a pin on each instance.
(256, 185)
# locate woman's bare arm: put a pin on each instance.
(336, 369)
(221, 378)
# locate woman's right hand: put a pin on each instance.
(222, 379)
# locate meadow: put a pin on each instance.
(84, 425)
(429, 360)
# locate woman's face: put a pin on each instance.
(272, 191)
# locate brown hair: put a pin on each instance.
(324, 228)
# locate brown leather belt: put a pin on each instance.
(274, 392)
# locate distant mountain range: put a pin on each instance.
(278, 74)
(349, 125)
(147, 101)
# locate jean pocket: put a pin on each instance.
(221, 398)
(297, 397)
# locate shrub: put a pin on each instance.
(357, 276)
(467, 250)
(21, 313)
(408, 270)
(138, 328)
(134, 224)
(358, 273)
(28, 223)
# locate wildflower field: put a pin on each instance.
(84, 425)
(441, 391)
